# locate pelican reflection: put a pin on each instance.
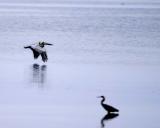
(108, 117)
(38, 74)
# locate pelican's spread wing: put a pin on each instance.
(41, 51)
(35, 54)
(44, 56)
(37, 50)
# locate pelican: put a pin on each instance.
(39, 49)
(107, 107)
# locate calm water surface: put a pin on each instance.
(98, 50)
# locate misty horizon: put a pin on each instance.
(80, 1)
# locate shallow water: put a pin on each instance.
(111, 51)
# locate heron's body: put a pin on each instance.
(39, 50)
(108, 108)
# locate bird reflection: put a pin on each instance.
(108, 117)
(39, 74)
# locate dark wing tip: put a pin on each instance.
(44, 56)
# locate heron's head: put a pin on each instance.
(101, 97)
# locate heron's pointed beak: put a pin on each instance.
(98, 96)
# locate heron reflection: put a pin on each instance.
(108, 117)
(39, 74)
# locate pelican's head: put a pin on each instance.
(41, 44)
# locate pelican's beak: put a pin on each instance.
(49, 44)
(45, 43)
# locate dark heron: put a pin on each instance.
(108, 108)
(39, 50)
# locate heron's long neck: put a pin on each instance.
(102, 100)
